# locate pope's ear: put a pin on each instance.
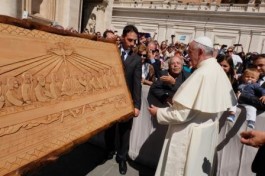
(200, 51)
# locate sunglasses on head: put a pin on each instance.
(153, 51)
(143, 55)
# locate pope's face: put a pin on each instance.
(193, 54)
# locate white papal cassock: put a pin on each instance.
(193, 121)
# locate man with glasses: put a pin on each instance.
(259, 63)
(133, 74)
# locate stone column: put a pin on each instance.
(244, 39)
(161, 34)
(169, 32)
(11, 8)
(255, 42)
(209, 32)
(199, 31)
(68, 13)
(108, 14)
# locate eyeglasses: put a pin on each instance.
(153, 51)
(143, 55)
(229, 51)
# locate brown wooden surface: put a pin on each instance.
(57, 89)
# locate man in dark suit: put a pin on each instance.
(259, 63)
(166, 86)
(133, 74)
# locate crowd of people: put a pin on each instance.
(172, 69)
(183, 78)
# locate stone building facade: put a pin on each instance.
(224, 23)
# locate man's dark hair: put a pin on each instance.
(106, 32)
(257, 56)
(129, 28)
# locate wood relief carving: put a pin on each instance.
(55, 92)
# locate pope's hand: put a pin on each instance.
(153, 110)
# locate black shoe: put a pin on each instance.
(122, 167)
(110, 155)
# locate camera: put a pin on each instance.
(237, 45)
(172, 36)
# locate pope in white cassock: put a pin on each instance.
(193, 129)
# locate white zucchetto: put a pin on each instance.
(204, 41)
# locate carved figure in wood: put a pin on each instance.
(54, 87)
(103, 79)
(76, 85)
(42, 94)
(2, 98)
(26, 87)
(12, 93)
(84, 81)
(66, 86)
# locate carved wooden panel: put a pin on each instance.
(55, 92)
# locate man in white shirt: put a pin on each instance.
(236, 58)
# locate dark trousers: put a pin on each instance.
(119, 139)
(253, 101)
(258, 165)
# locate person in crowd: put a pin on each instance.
(236, 58)
(143, 40)
(71, 29)
(259, 63)
(167, 55)
(148, 72)
(163, 48)
(165, 87)
(256, 139)
(193, 118)
(170, 51)
(118, 41)
(148, 37)
(98, 34)
(222, 50)
(253, 138)
(133, 74)
(151, 56)
(227, 64)
(179, 53)
(109, 34)
(250, 87)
